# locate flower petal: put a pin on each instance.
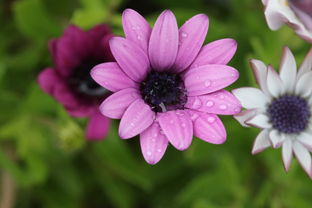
(304, 157)
(261, 142)
(220, 102)
(259, 121)
(111, 77)
(97, 127)
(47, 79)
(130, 57)
(287, 153)
(136, 119)
(260, 72)
(208, 127)
(178, 128)
(251, 97)
(217, 52)
(163, 44)
(304, 87)
(209, 78)
(276, 138)
(115, 105)
(192, 35)
(306, 140)
(136, 28)
(243, 116)
(153, 143)
(288, 70)
(306, 65)
(274, 83)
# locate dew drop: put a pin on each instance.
(194, 116)
(223, 107)
(179, 113)
(184, 34)
(133, 28)
(153, 140)
(207, 83)
(237, 109)
(155, 135)
(131, 124)
(149, 153)
(139, 37)
(211, 119)
(183, 125)
(209, 103)
(221, 96)
(159, 150)
(197, 103)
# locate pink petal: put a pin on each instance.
(220, 102)
(136, 28)
(192, 35)
(163, 45)
(130, 57)
(98, 127)
(287, 153)
(216, 52)
(110, 76)
(209, 78)
(208, 127)
(81, 110)
(64, 95)
(261, 142)
(153, 143)
(136, 119)
(115, 105)
(47, 80)
(177, 126)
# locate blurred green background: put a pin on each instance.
(45, 161)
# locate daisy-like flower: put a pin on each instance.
(295, 13)
(166, 86)
(282, 108)
(69, 81)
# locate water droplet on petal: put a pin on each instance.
(133, 27)
(209, 103)
(237, 109)
(131, 124)
(149, 153)
(223, 107)
(139, 37)
(221, 96)
(197, 103)
(153, 140)
(183, 125)
(179, 113)
(211, 119)
(184, 34)
(194, 116)
(155, 135)
(159, 150)
(207, 83)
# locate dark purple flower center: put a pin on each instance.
(82, 83)
(163, 91)
(289, 114)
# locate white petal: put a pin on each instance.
(261, 142)
(304, 86)
(259, 121)
(260, 71)
(288, 69)
(243, 116)
(287, 153)
(306, 65)
(276, 138)
(306, 140)
(274, 83)
(303, 157)
(250, 97)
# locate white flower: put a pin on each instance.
(295, 13)
(282, 107)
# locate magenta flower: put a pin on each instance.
(69, 81)
(166, 86)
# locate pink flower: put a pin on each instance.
(69, 81)
(166, 86)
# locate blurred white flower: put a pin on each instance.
(297, 14)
